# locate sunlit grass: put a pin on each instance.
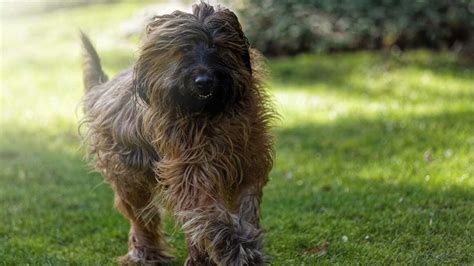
(373, 148)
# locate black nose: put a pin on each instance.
(203, 81)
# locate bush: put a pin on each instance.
(279, 27)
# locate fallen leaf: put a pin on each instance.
(319, 251)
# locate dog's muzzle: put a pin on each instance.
(204, 86)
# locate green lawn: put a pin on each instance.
(375, 153)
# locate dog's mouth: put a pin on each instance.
(204, 96)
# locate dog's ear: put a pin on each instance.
(229, 19)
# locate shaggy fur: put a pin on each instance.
(160, 138)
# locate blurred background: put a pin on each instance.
(290, 27)
(375, 146)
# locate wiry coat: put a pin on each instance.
(207, 167)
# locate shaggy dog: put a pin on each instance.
(187, 128)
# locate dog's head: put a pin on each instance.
(195, 62)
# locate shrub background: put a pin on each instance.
(287, 27)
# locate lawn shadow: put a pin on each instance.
(385, 184)
(55, 206)
(369, 216)
(369, 140)
(354, 177)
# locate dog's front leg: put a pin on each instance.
(197, 256)
(249, 205)
(217, 231)
(227, 238)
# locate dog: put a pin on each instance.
(186, 129)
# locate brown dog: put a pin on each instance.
(187, 127)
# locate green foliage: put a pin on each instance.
(292, 26)
(374, 165)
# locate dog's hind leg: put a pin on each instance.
(147, 245)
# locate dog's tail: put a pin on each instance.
(91, 67)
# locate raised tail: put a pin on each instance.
(91, 67)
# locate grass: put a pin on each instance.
(375, 153)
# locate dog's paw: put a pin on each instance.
(242, 246)
(227, 238)
(201, 261)
(140, 257)
(247, 254)
(244, 257)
